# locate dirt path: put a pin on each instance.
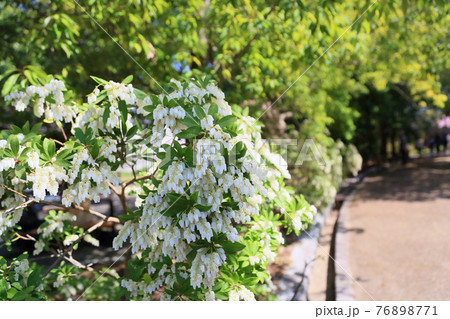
(398, 233)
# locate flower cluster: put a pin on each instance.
(46, 179)
(21, 268)
(216, 192)
(91, 181)
(13, 200)
(48, 101)
(106, 116)
(241, 293)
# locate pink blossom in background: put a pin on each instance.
(444, 122)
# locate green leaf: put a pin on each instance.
(20, 171)
(124, 217)
(123, 110)
(88, 134)
(36, 128)
(29, 75)
(134, 269)
(49, 147)
(7, 73)
(203, 208)
(106, 114)
(132, 131)
(178, 148)
(165, 163)
(14, 144)
(190, 132)
(11, 292)
(232, 205)
(26, 128)
(189, 156)
(128, 79)
(80, 135)
(147, 279)
(101, 97)
(194, 197)
(238, 151)
(172, 210)
(9, 83)
(226, 121)
(99, 80)
(149, 109)
(191, 255)
(213, 109)
(64, 154)
(177, 198)
(3, 288)
(231, 248)
(199, 111)
(140, 94)
(250, 281)
(189, 120)
(95, 149)
(34, 279)
(177, 204)
(21, 295)
(38, 74)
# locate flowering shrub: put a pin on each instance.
(352, 160)
(204, 226)
(320, 177)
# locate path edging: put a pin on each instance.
(302, 254)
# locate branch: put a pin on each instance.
(14, 191)
(149, 176)
(76, 263)
(27, 237)
(135, 179)
(78, 208)
(81, 209)
(63, 133)
(23, 205)
(56, 141)
(69, 249)
(113, 188)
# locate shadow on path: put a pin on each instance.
(421, 180)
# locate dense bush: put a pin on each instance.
(204, 226)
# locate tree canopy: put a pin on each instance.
(356, 71)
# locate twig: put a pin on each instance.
(63, 133)
(56, 141)
(81, 209)
(113, 188)
(23, 205)
(27, 237)
(14, 191)
(139, 179)
(76, 263)
(63, 254)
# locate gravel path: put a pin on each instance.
(398, 233)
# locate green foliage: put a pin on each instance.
(374, 82)
(21, 280)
